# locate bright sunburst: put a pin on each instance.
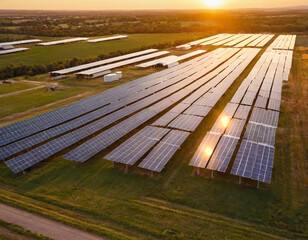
(213, 3)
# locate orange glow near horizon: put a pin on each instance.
(141, 4)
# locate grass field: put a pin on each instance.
(176, 204)
(9, 88)
(41, 55)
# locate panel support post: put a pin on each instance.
(151, 173)
(212, 174)
(198, 171)
(126, 168)
(239, 180)
(258, 184)
(113, 165)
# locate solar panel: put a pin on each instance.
(235, 128)
(260, 134)
(267, 135)
(265, 117)
(165, 119)
(249, 98)
(242, 112)
(245, 159)
(222, 154)
(224, 118)
(179, 108)
(261, 102)
(262, 170)
(238, 96)
(198, 110)
(205, 150)
(135, 147)
(163, 152)
(252, 132)
(186, 122)
(274, 104)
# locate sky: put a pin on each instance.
(142, 4)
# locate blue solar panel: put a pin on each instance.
(163, 152)
(135, 147)
(245, 159)
(263, 167)
(223, 153)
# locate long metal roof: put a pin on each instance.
(62, 41)
(102, 62)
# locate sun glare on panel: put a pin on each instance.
(208, 151)
(225, 121)
(213, 3)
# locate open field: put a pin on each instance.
(175, 204)
(9, 88)
(83, 50)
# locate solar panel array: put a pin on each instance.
(258, 100)
(240, 40)
(192, 88)
(185, 116)
(284, 42)
(162, 83)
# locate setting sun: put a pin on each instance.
(213, 3)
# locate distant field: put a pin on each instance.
(173, 205)
(83, 50)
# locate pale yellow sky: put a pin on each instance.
(140, 4)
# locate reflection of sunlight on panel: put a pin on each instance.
(225, 121)
(208, 151)
(213, 3)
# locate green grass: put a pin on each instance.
(14, 87)
(176, 204)
(31, 99)
(84, 50)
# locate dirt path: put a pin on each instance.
(42, 225)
